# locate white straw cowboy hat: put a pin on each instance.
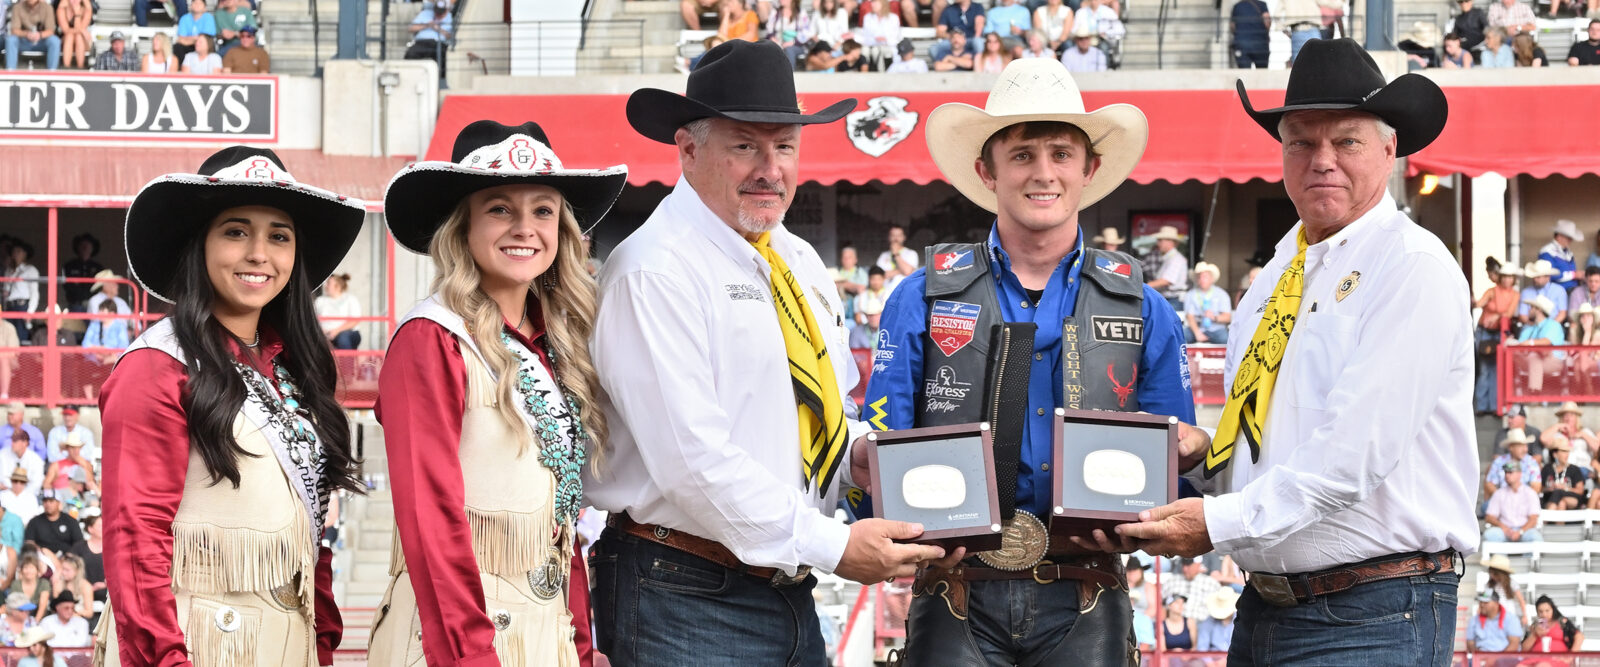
(1110, 235)
(1569, 406)
(1222, 603)
(1208, 267)
(1538, 268)
(1543, 303)
(1568, 229)
(1498, 562)
(1168, 233)
(1035, 89)
(1515, 436)
(1424, 33)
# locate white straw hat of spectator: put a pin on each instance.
(1568, 229)
(1538, 268)
(1110, 235)
(1424, 33)
(488, 154)
(1498, 562)
(33, 636)
(1515, 436)
(172, 209)
(1569, 406)
(1543, 303)
(1168, 233)
(1035, 89)
(1222, 603)
(1208, 267)
(1585, 307)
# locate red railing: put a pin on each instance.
(1547, 374)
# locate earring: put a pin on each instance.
(550, 281)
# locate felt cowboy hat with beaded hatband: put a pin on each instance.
(1035, 89)
(486, 155)
(752, 82)
(1337, 74)
(167, 214)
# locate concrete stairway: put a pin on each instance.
(362, 566)
(1188, 40)
(661, 27)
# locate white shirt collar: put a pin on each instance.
(687, 205)
(1329, 248)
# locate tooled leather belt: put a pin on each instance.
(704, 548)
(1288, 590)
(1104, 570)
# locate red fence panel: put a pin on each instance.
(1548, 374)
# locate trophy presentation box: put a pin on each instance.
(941, 477)
(1109, 466)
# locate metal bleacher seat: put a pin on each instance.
(1566, 590)
(1585, 616)
(1519, 553)
(1560, 557)
(1567, 525)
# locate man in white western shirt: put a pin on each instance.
(1350, 500)
(714, 522)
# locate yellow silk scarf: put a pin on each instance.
(1258, 370)
(821, 409)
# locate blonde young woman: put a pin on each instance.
(70, 578)
(159, 60)
(485, 400)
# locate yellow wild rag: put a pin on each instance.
(821, 409)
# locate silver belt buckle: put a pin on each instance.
(781, 580)
(1275, 589)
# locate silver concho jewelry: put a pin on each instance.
(1022, 544)
(501, 618)
(227, 619)
(547, 579)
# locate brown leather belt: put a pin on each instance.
(1288, 590)
(695, 545)
(1094, 574)
(1104, 571)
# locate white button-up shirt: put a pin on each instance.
(704, 431)
(1368, 447)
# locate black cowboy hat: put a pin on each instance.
(170, 210)
(1335, 74)
(751, 82)
(486, 155)
(90, 239)
(64, 596)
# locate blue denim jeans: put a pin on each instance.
(1299, 38)
(50, 43)
(1493, 534)
(1408, 621)
(655, 605)
(1485, 393)
(347, 340)
(1020, 622)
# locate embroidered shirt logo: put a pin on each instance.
(944, 392)
(745, 292)
(1129, 330)
(1111, 266)
(1123, 391)
(952, 324)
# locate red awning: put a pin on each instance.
(1194, 134)
(77, 175)
(1535, 130)
(1199, 135)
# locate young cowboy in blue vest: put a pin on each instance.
(1035, 159)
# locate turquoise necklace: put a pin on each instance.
(564, 457)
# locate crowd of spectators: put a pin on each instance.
(1558, 304)
(51, 569)
(846, 35)
(60, 34)
(1501, 37)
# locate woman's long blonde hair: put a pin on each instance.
(569, 311)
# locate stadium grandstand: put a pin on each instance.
(108, 94)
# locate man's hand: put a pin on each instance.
(1192, 445)
(858, 464)
(1108, 543)
(872, 555)
(1178, 529)
(1200, 336)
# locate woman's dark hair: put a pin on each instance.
(214, 393)
(90, 521)
(1555, 612)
